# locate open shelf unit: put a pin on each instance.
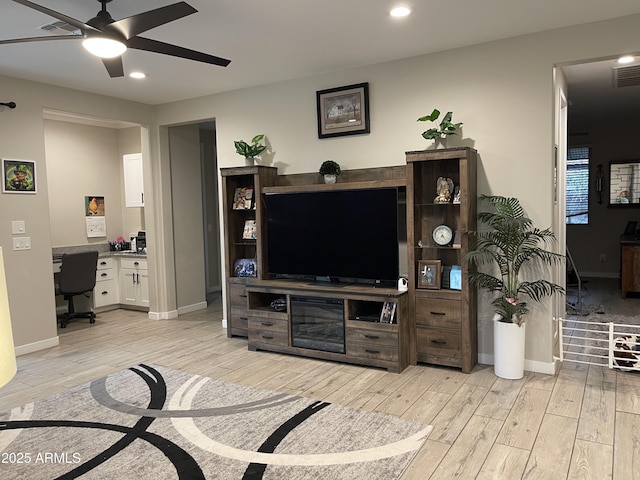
(445, 318)
(237, 247)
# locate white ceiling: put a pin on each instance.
(275, 40)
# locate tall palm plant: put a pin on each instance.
(512, 245)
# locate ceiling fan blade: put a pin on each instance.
(141, 43)
(41, 39)
(114, 66)
(52, 13)
(135, 24)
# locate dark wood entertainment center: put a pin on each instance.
(435, 326)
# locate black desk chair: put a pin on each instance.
(77, 277)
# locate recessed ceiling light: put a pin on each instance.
(626, 59)
(137, 75)
(400, 12)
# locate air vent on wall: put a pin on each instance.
(626, 76)
(60, 28)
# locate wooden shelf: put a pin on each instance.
(321, 187)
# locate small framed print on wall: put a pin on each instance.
(343, 110)
(429, 274)
(19, 176)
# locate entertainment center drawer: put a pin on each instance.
(434, 341)
(237, 295)
(239, 321)
(438, 313)
(269, 324)
(269, 337)
(371, 336)
(372, 351)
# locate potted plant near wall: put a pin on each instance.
(250, 150)
(330, 171)
(516, 250)
(442, 129)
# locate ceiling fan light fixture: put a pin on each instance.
(104, 47)
(626, 59)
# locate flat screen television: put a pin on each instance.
(337, 235)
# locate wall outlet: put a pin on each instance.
(603, 258)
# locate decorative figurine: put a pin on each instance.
(444, 188)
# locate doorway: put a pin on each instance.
(194, 204)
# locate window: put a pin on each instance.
(578, 186)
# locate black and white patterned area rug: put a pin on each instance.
(151, 422)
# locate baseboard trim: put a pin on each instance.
(548, 368)
(163, 315)
(192, 308)
(36, 346)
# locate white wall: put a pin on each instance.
(186, 188)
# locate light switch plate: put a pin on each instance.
(22, 243)
(18, 227)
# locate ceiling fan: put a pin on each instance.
(107, 38)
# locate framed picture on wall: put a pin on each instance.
(19, 176)
(343, 110)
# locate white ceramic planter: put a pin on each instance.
(330, 178)
(508, 349)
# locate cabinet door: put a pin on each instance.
(133, 180)
(143, 288)
(128, 286)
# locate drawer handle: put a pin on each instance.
(105, 292)
(438, 313)
(373, 337)
(243, 296)
(267, 324)
(372, 351)
(103, 263)
(104, 274)
(136, 263)
(244, 318)
(266, 337)
(438, 342)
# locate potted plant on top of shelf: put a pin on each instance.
(516, 248)
(442, 130)
(330, 170)
(250, 151)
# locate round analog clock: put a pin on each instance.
(442, 235)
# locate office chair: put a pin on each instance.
(77, 277)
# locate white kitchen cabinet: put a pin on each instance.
(133, 180)
(134, 282)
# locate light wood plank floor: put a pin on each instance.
(583, 423)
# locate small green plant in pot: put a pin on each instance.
(252, 150)
(330, 170)
(515, 248)
(443, 129)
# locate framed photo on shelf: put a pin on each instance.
(243, 198)
(429, 274)
(250, 231)
(388, 313)
(343, 110)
